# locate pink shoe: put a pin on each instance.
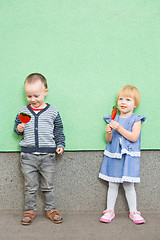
(136, 217)
(108, 216)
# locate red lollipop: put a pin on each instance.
(114, 112)
(24, 117)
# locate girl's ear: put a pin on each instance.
(134, 104)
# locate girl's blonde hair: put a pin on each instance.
(130, 91)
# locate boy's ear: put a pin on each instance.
(46, 91)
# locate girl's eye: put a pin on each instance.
(128, 99)
(121, 99)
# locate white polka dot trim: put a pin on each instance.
(119, 180)
(119, 155)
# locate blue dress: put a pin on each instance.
(121, 161)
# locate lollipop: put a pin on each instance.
(114, 112)
(24, 117)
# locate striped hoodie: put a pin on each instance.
(44, 132)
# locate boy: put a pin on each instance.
(42, 137)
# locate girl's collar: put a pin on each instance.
(125, 117)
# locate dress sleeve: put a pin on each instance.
(139, 117)
(107, 119)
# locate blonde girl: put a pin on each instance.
(122, 154)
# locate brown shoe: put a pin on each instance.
(54, 216)
(28, 217)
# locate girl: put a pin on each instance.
(121, 160)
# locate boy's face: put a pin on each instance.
(36, 93)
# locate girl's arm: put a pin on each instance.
(131, 136)
(108, 135)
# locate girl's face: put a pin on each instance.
(126, 105)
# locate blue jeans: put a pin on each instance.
(38, 171)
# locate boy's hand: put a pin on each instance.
(59, 150)
(20, 127)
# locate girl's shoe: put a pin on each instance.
(108, 216)
(136, 217)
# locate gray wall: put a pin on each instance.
(77, 186)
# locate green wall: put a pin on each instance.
(87, 50)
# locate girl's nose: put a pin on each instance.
(123, 102)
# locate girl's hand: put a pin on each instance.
(108, 135)
(115, 125)
(59, 150)
(20, 127)
(133, 135)
(108, 129)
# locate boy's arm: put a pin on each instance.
(17, 121)
(58, 132)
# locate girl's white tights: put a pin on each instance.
(129, 192)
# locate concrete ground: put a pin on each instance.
(79, 225)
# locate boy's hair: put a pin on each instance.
(33, 77)
(130, 91)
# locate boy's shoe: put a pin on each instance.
(54, 216)
(136, 217)
(28, 217)
(108, 216)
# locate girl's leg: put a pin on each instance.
(111, 200)
(130, 192)
(112, 195)
(130, 196)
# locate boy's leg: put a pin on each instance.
(29, 168)
(46, 180)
